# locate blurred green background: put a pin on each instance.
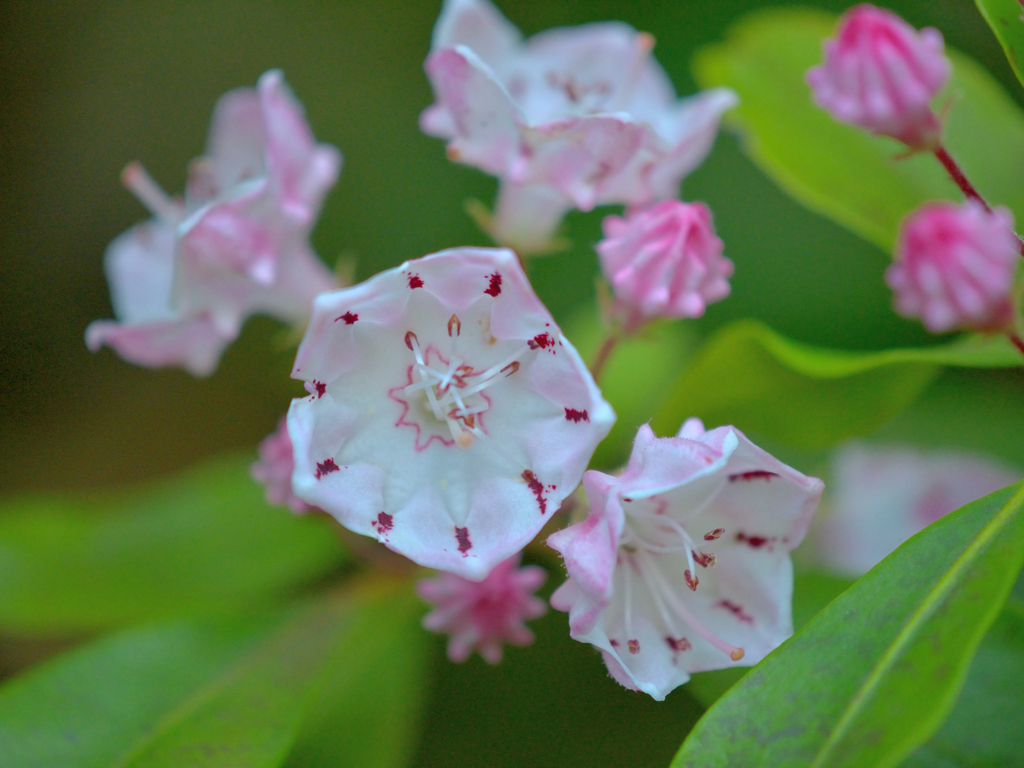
(90, 86)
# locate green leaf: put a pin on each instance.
(371, 701)
(214, 695)
(874, 674)
(1004, 16)
(811, 397)
(199, 543)
(838, 170)
(985, 729)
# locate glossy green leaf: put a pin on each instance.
(986, 727)
(838, 170)
(806, 396)
(873, 675)
(1004, 16)
(214, 695)
(202, 542)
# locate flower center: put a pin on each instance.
(453, 392)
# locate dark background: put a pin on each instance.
(90, 86)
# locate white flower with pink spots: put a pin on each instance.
(571, 118)
(683, 564)
(183, 282)
(447, 416)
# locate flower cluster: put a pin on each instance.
(955, 265)
(183, 282)
(447, 416)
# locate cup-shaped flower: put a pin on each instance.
(183, 283)
(664, 261)
(881, 74)
(881, 496)
(274, 469)
(571, 118)
(448, 416)
(482, 615)
(683, 563)
(955, 267)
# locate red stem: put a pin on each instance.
(1018, 342)
(961, 180)
(603, 354)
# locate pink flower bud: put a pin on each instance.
(274, 469)
(664, 261)
(881, 74)
(955, 266)
(481, 615)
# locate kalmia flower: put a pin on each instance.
(571, 118)
(664, 261)
(183, 282)
(881, 74)
(955, 267)
(274, 469)
(447, 417)
(683, 564)
(880, 497)
(482, 615)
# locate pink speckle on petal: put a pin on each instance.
(634, 646)
(383, 523)
(482, 615)
(571, 414)
(735, 610)
(415, 281)
(755, 542)
(680, 644)
(325, 467)
(494, 285)
(462, 537)
(537, 487)
(757, 474)
(348, 317)
(541, 341)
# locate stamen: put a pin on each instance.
(676, 604)
(141, 184)
(454, 324)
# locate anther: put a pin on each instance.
(410, 339)
(737, 654)
(511, 368)
(691, 580)
(149, 193)
(714, 534)
(454, 324)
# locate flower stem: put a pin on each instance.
(961, 180)
(603, 354)
(1018, 342)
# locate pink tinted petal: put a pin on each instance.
(480, 111)
(301, 169)
(881, 74)
(955, 267)
(194, 344)
(235, 146)
(478, 25)
(527, 216)
(274, 469)
(482, 615)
